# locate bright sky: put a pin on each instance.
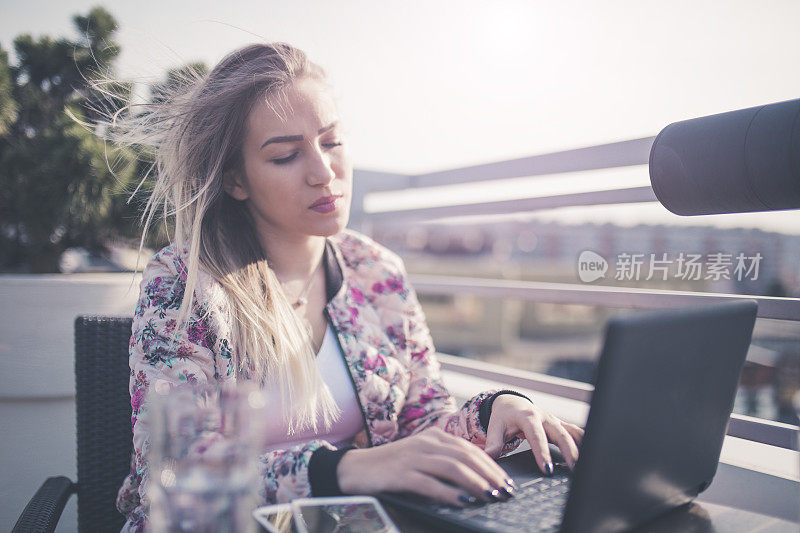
(426, 86)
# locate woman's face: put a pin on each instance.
(298, 175)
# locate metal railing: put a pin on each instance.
(607, 156)
(741, 426)
(624, 297)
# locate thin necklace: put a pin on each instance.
(302, 300)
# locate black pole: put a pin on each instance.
(746, 160)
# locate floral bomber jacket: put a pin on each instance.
(383, 337)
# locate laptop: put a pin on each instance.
(664, 391)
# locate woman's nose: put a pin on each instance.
(321, 170)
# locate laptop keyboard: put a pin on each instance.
(537, 505)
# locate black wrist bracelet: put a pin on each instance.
(322, 471)
(485, 410)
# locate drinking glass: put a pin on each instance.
(204, 444)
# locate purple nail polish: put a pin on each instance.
(467, 499)
(493, 495)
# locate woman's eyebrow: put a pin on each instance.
(295, 138)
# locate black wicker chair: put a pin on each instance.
(105, 441)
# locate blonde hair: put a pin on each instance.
(195, 129)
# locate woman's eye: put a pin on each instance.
(285, 160)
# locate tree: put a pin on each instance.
(56, 187)
(60, 184)
(8, 107)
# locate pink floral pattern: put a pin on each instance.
(380, 327)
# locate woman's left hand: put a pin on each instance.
(512, 415)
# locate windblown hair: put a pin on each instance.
(195, 129)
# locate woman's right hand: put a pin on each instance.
(422, 464)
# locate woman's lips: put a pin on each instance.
(325, 205)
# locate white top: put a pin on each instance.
(332, 367)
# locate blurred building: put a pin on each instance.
(564, 340)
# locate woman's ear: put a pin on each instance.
(233, 184)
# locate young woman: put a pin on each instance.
(263, 282)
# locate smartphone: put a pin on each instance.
(342, 514)
(275, 518)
